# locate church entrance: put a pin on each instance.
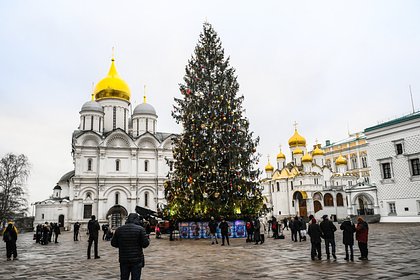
(365, 205)
(116, 216)
(300, 199)
(61, 220)
(317, 206)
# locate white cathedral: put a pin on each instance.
(308, 185)
(120, 161)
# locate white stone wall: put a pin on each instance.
(402, 189)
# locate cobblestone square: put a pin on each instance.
(394, 253)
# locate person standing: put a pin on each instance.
(303, 228)
(10, 237)
(348, 229)
(285, 223)
(249, 230)
(212, 230)
(76, 228)
(224, 230)
(57, 232)
(257, 226)
(93, 231)
(130, 239)
(328, 229)
(105, 228)
(314, 231)
(362, 231)
(297, 226)
(293, 229)
(263, 229)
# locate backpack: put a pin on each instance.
(7, 236)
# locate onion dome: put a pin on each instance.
(57, 187)
(269, 167)
(317, 152)
(92, 106)
(281, 156)
(307, 158)
(112, 86)
(144, 109)
(298, 152)
(340, 161)
(297, 140)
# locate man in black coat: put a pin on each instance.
(93, 231)
(212, 229)
(76, 228)
(130, 239)
(328, 229)
(314, 231)
(348, 229)
(224, 230)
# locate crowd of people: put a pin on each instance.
(47, 233)
(132, 237)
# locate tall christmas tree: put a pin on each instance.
(215, 155)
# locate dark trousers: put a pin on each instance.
(11, 249)
(294, 235)
(363, 249)
(262, 237)
(103, 236)
(223, 239)
(76, 235)
(55, 238)
(315, 250)
(130, 268)
(347, 247)
(95, 248)
(327, 247)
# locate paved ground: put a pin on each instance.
(394, 253)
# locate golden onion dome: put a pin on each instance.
(281, 156)
(269, 167)
(297, 140)
(307, 158)
(341, 161)
(317, 152)
(298, 151)
(112, 86)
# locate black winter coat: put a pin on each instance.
(348, 232)
(130, 239)
(328, 229)
(93, 228)
(314, 231)
(224, 228)
(212, 226)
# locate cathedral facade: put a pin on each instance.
(309, 185)
(120, 160)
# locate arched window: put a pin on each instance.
(89, 164)
(328, 200)
(117, 165)
(340, 200)
(317, 196)
(117, 198)
(146, 165)
(146, 199)
(278, 186)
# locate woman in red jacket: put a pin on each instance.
(362, 230)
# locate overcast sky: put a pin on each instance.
(331, 66)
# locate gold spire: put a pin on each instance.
(93, 97)
(112, 86)
(280, 155)
(341, 160)
(269, 167)
(144, 96)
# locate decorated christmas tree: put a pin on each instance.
(215, 156)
